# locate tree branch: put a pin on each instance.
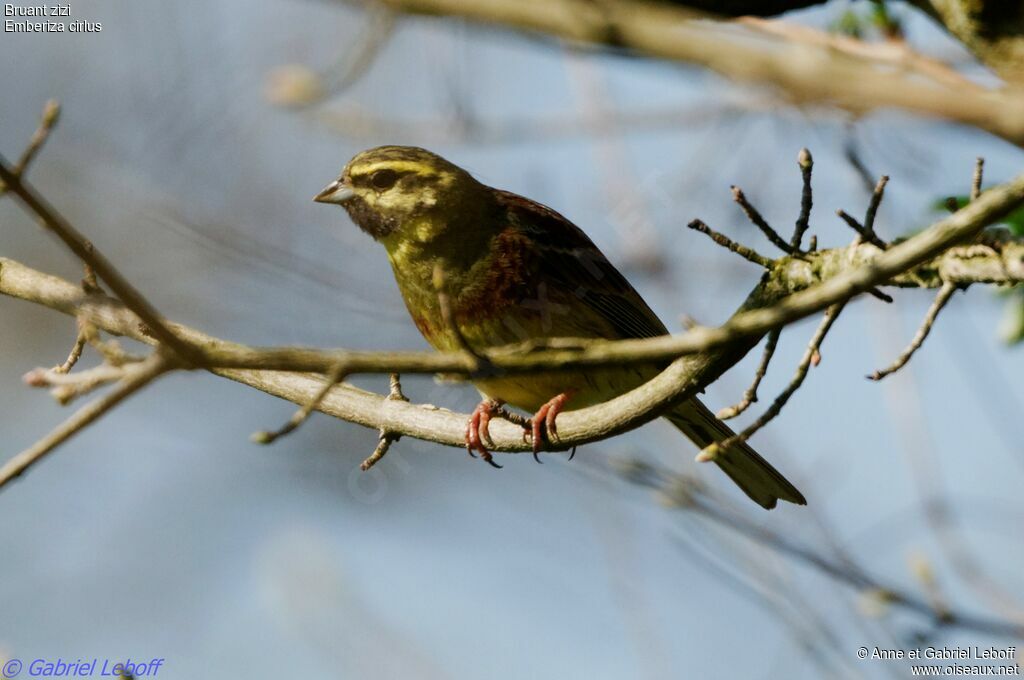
(136, 377)
(1003, 262)
(683, 494)
(750, 394)
(83, 248)
(992, 30)
(808, 71)
(712, 451)
(795, 286)
(944, 296)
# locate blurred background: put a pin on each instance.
(192, 138)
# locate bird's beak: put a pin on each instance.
(335, 192)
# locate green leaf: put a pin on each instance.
(849, 23)
(1014, 221)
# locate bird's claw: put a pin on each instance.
(478, 436)
(542, 427)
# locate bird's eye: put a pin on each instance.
(383, 179)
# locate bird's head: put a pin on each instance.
(404, 192)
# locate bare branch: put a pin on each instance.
(869, 217)
(575, 427)
(820, 279)
(895, 52)
(806, 70)
(750, 395)
(85, 251)
(89, 282)
(357, 59)
(682, 493)
(51, 114)
(879, 295)
(721, 239)
(806, 163)
(385, 437)
(944, 296)
(384, 443)
(81, 338)
(298, 86)
(862, 231)
(20, 281)
(395, 388)
(979, 170)
(334, 376)
(68, 387)
(754, 216)
(137, 377)
(831, 314)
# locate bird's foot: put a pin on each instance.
(542, 426)
(478, 437)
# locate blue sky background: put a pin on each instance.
(162, 532)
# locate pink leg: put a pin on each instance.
(478, 436)
(542, 425)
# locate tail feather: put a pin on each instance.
(752, 473)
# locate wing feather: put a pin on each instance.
(570, 263)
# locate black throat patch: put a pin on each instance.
(369, 220)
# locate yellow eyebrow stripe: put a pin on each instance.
(397, 166)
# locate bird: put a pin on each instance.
(515, 270)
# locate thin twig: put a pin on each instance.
(894, 52)
(724, 241)
(831, 314)
(685, 494)
(395, 388)
(867, 236)
(852, 154)
(85, 251)
(869, 216)
(111, 350)
(67, 387)
(357, 59)
(809, 73)
(796, 292)
(806, 163)
(385, 437)
(334, 376)
(754, 216)
(85, 332)
(944, 295)
(884, 297)
(806, 290)
(135, 378)
(384, 443)
(750, 395)
(864, 234)
(81, 338)
(89, 283)
(979, 171)
(51, 114)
